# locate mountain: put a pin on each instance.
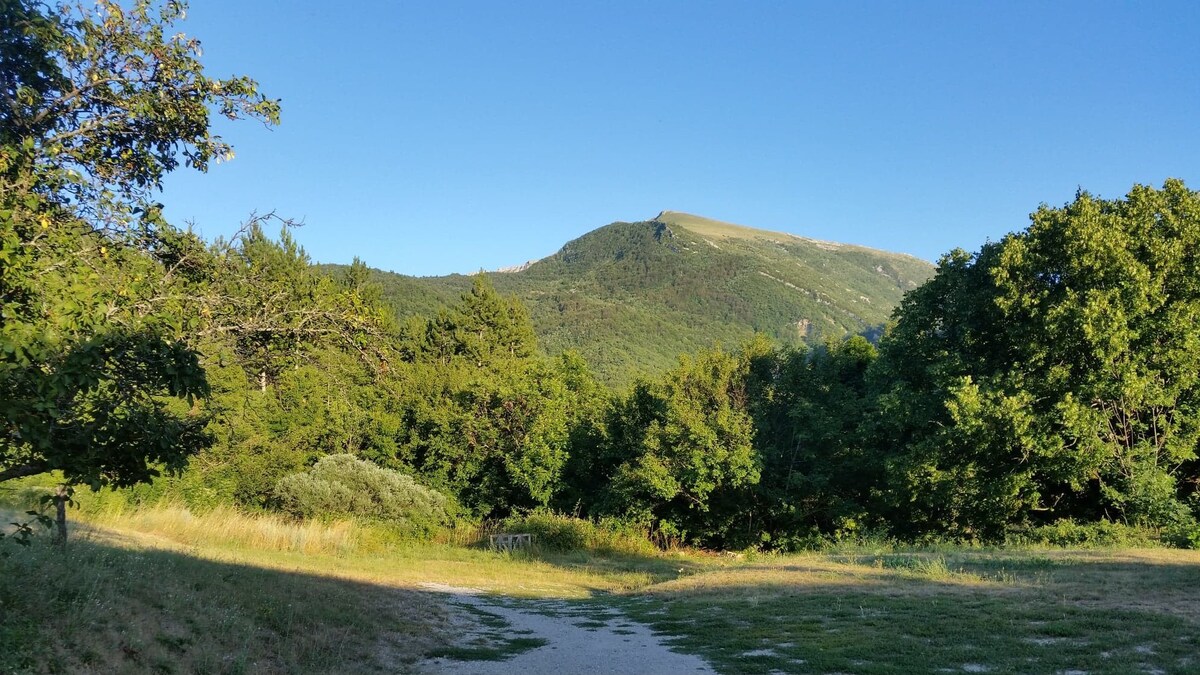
(631, 297)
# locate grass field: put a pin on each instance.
(162, 590)
(964, 611)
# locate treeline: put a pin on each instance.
(1051, 375)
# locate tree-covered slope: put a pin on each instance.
(630, 297)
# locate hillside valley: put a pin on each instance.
(631, 296)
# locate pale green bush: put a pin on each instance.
(343, 486)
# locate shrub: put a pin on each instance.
(1102, 533)
(1185, 534)
(343, 486)
(554, 532)
(557, 532)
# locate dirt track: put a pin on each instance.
(576, 639)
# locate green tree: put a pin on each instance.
(689, 452)
(100, 104)
(484, 326)
(267, 298)
(588, 468)
(97, 106)
(810, 409)
(943, 336)
(486, 417)
(1052, 374)
(300, 362)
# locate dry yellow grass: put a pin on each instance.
(716, 229)
(227, 527)
(349, 550)
(168, 590)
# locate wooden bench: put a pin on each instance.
(511, 542)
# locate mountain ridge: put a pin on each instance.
(632, 296)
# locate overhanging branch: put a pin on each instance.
(31, 469)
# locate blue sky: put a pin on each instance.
(438, 137)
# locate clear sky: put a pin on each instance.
(441, 136)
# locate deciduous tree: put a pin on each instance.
(1053, 373)
(96, 106)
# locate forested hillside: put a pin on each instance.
(630, 297)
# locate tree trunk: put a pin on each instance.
(61, 497)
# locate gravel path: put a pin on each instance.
(572, 639)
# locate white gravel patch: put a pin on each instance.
(569, 648)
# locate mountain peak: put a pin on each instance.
(712, 228)
(631, 296)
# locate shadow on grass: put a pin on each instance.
(1025, 611)
(1084, 615)
(95, 607)
(102, 607)
(655, 568)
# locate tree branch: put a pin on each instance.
(31, 469)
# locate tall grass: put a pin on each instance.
(553, 532)
(221, 525)
(226, 526)
(166, 589)
(456, 555)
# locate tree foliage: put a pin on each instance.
(486, 416)
(1053, 373)
(678, 452)
(97, 105)
(101, 103)
(812, 410)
